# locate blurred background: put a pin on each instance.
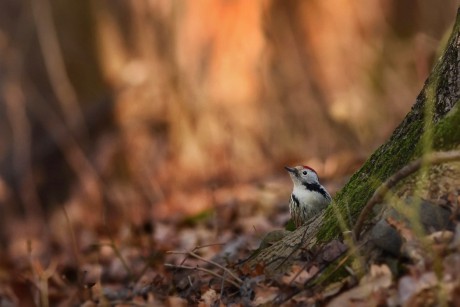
(139, 110)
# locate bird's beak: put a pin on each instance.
(290, 169)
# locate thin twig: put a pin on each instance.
(222, 286)
(75, 249)
(126, 303)
(306, 267)
(117, 252)
(199, 247)
(206, 245)
(207, 261)
(122, 260)
(298, 246)
(197, 268)
(279, 301)
(412, 167)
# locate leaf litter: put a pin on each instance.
(195, 260)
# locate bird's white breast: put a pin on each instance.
(310, 198)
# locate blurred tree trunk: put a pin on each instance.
(54, 99)
(433, 124)
(248, 85)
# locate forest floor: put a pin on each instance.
(196, 260)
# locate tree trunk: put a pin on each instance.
(433, 124)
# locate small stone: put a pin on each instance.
(386, 238)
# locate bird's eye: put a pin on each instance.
(304, 172)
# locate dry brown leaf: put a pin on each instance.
(209, 298)
(174, 301)
(298, 275)
(368, 292)
(410, 286)
(440, 237)
(265, 294)
(402, 228)
(252, 271)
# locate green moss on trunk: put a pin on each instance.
(433, 123)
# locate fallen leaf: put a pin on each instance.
(368, 292)
(409, 286)
(298, 275)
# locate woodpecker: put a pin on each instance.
(308, 197)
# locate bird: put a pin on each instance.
(308, 197)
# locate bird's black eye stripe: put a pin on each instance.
(304, 172)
